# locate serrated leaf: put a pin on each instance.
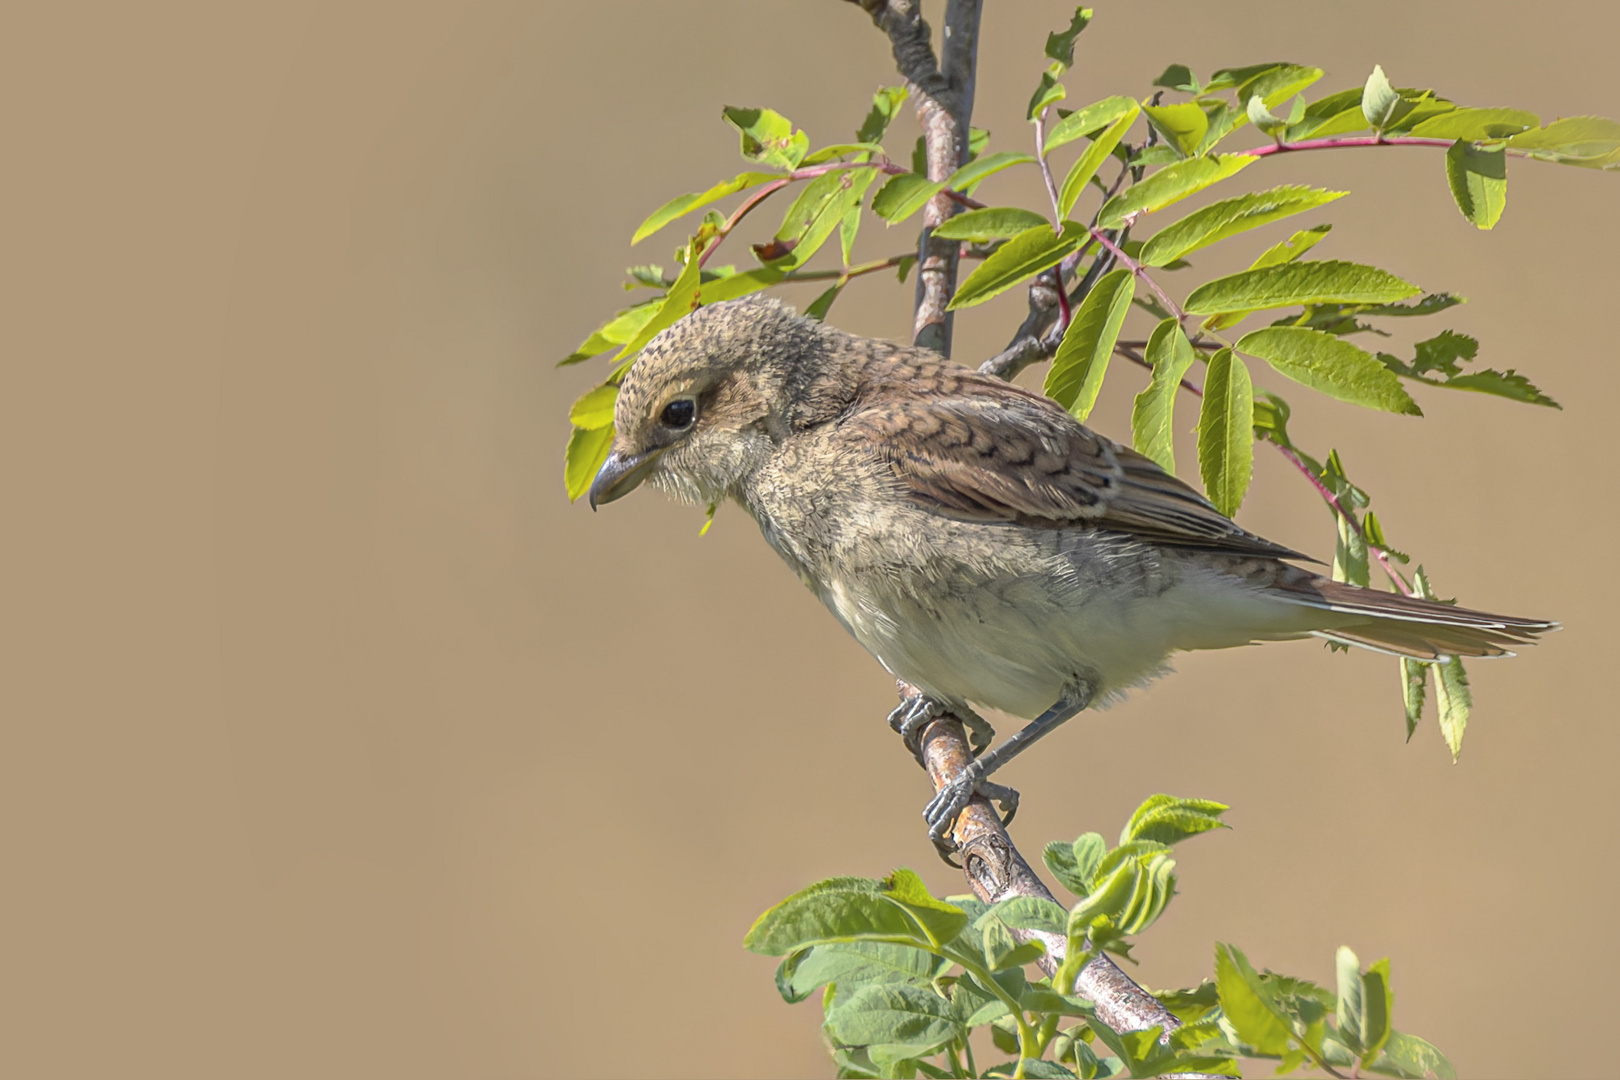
(1414, 690)
(990, 223)
(1090, 119)
(885, 107)
(1226, 432)
(1229, 217)
(968, 176)
(835, 910)
(1170, 185)
(904, 195)
(595, 409)
(1329, 364)
(939, 919)
(1453, 698)
(1335, 114)
(683, 204)
(1292, 248)
(683, 296)
(1059, 858)
(1081, 362)
(1184, 124)
(1351, 1004)
(1478, 179)
(587, 450)
(768, 137)
(1574, 140)
(1086, 166)
(1381, 103)
(1246, 1005)
(1018, 260)
(1167, 819)
(1410, 1056)
(1444, 353)
(1475, 124)
(819, 209)
(1032, 913)
(1508, 384)
(854, 964)
(1329, 282)
(894, 1022)
(1153, 415)
(1060, 43)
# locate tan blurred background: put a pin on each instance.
(338, 743)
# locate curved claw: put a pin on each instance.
(911, 717)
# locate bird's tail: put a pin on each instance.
(1413, 627)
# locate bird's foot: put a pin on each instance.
(913, 715)
(948, 802)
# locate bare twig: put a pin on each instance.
(944, 101)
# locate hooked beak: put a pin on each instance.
(620, 475)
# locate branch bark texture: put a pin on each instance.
(943, 96)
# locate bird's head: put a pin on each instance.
(707, 400)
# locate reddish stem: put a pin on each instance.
(1341, 143)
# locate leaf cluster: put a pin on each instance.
(916, 985)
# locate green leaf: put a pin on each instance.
(1291, 248)
(1178, 77)
(854, 964)
(819, 209)
(587, 450)
(1245, 1003)
(1508, 384)
(1032, 913)
(835, 910)
(1410, 1056)
(968, 176)
(885, 107)
(1184, 124)
(1593, 141)
(1075, 864)
(595, 409)
(904, 195)
(683, 204)
(1166, 819)
(1414, 689)
(1060, 44)
(1091, 160)
(1170, 185)
(1019, 259)
(1478, 179)
(822, 304)
(1077, 371)
(1049, 92)
(1229, 217)
(848, 228)
(1089, 120)
(1329, 364)
(1329, 282)
(1381, 103)
(940, 920)
(1453, 698)
(736, 285)
(1378, 999)
(893, 1022)
(1336, 114)
(991, 223)
(1226, 432)
(1475, 125)
(1352, 1005)
(1153, 416)
(768, 137)
(682, 298)
(616, 331)
(837, 150)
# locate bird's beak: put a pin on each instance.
(620, 475)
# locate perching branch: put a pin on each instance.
(996, 871)
(944, 103)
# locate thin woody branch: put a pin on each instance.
(944, 103)
(996, 871)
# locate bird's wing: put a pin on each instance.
(976, 448)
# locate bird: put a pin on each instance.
(978, 540)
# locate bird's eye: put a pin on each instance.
(679, 413)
